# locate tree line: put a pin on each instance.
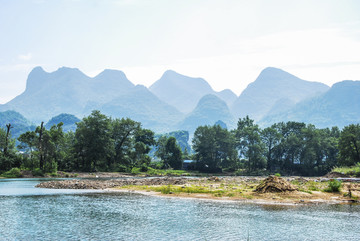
(101, 143)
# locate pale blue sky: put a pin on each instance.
(227, 42)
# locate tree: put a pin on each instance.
(123, 134)
(8, 127)
(349, 145)
(214, 149)
(8, 157)
(205, 147)
(93, 142)
(271, 138)
(67, 152)
(249, 143)
(131, 143)
(39, 130)
(169, 152)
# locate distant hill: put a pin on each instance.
(66, 90)
(274, 90)
(18, 123)
(182, 138)
(339, 106)
(178, 102)
(208, 111)
(69, 122)
(184, 92)
(141, 105)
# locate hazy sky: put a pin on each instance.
(225, 42)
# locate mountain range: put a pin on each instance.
(184, 92)
(179, 102)
(274, 90)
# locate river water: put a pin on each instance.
(29, 213)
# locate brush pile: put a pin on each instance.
(275, 184)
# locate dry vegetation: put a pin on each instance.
(256, 189)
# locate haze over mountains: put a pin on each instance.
(338, 106)
(178, 102)
(274, 89)
(184, 92)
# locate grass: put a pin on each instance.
(185, 189)
(241, 189)
(350, 171)
(309, 186)
(166, 172)
(220, 190)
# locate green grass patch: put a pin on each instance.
(313, 186)
(350, 171)
(168, 189)
(166, 172)
(303, 190)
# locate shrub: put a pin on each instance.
(37, 172)
(277, 174)
(135, 170)
(333, 186)
(13, 173)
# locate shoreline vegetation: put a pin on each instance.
(276, 190)
(122, 150)
(103, 144)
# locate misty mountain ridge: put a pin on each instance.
(272, 87)
(274, 96)
(339, 106)
(66, 90)
(19, 124)
(69, 122)
(210, 110)
(184, 92)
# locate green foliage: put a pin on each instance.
(349, 145)
(169, 152)
(333, 186)
(135, 170)
(37, 172)
(12, 173)
(214, 149)
(277, 174)
(93, 142)
(249, 143)
(104, 144)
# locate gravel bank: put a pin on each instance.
(104, 184)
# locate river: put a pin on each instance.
(29, 213)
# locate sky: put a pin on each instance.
(226, 42)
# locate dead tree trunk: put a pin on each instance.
(8, 126)
(41, 147)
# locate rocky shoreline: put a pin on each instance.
(274, 190)
(105, 184)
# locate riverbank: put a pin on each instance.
(242, 189)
